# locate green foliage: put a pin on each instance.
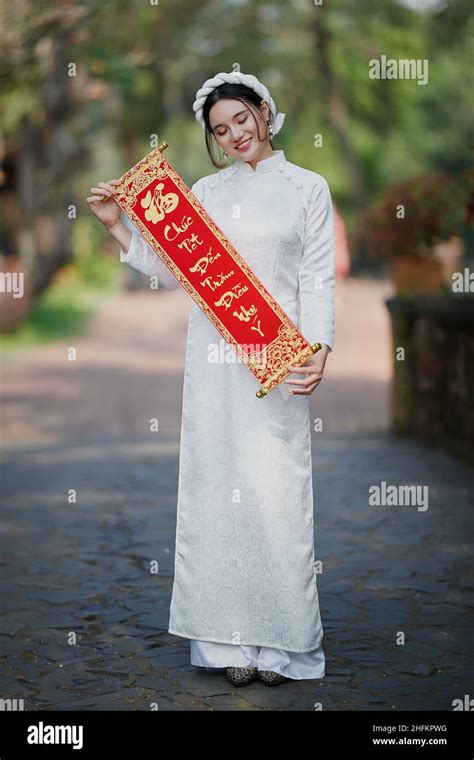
(66, 307)
(140, 64)
(61, 311)
(92, 267)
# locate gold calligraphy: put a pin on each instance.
(191, 243)
(157, 205)
(245, 314)
(202, 263)
(227, 297)
(187, 221)
(217, 283)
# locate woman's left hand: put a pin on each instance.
(311, 372)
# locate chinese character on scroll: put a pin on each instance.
(181, 232)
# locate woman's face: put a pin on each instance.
(234, 125)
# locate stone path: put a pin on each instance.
(84, 621)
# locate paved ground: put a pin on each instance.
(84, 622)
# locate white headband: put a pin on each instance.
(236, 77)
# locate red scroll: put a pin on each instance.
(179, 229)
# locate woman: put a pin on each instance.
(245, 590)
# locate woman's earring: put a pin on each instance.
(270, 129)
(225, 155)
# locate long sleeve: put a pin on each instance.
(316, 276)
(142, 257)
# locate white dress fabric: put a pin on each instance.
(245, 576)
(296, 665)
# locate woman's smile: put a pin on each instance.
(244, 145)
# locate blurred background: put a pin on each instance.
(86, 88)
(91, 357)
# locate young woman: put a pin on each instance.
(245, 590)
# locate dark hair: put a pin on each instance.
(229, 91)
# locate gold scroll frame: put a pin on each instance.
(273, 380)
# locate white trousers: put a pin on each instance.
(297, 665)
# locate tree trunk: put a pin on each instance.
(337, 112)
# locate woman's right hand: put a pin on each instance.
(107, 211)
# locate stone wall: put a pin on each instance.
(433, 384)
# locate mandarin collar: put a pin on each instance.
(265, 165)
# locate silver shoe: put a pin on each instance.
(271, 678)
(241, 676)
